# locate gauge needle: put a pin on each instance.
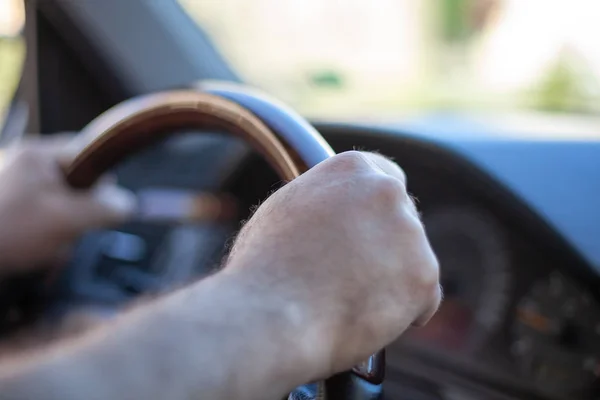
(534, 320)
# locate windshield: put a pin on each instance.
(356, 58)
(12, 50)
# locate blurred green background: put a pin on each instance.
(12, 50)
(365, 59)
(12, 54)
(378, 58)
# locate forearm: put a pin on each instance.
(219, 339)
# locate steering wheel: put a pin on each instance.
(288, 142)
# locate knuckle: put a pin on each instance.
(411, 223)
(387, 165)
(30, 158)
(389, 191)
(429, 274)
(349, 161)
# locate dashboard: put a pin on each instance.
(521, 312)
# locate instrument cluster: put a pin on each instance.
(512, 314)
(555, 337)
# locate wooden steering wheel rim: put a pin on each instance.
(289, 144)
(141, 121)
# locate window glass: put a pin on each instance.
(371, 58)
(12, 50)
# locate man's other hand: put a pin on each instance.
(40, 216)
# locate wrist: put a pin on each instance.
(230, 336)
(276, 328)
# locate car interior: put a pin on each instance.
(512, 219)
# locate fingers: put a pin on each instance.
(39, 153)
(390, 168)
(52, 145)
(432, 310)
(54, 149)
(56, 146)
(105, 205)
(71, 147)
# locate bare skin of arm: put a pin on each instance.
(331, 268)
(181, 347)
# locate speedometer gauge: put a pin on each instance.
(557, 338)
(473, 258)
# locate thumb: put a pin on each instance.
(106, 205)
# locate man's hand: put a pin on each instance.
(331, 268)
(344, 248)
(40, 215)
